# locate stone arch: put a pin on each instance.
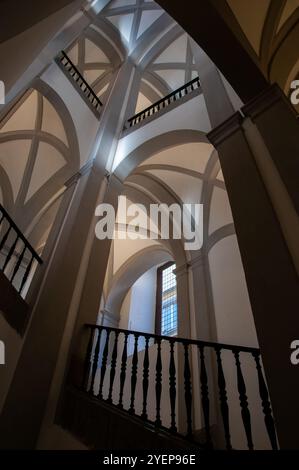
(155, 145)
(130, 271)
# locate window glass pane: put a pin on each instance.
(169, 302)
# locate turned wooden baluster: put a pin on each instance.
(134, 374)
(269, 422)
(86, 366)
(205, 402)
(223, 399)
(5, 237)
(158, 383)
(11, 252)
(145, 382)
(245, 413)
(104, 364)
(18, 264)
(113, 366)
(95, 362)
(188, 390)
(123, 371)
(172, 387)
(26, 273)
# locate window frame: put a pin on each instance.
(159, 292)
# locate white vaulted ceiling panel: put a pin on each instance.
(48, 162)
(147, 19)
(193, 156)
(174, 78)
(176, 52)
(13, 159)
(92, 75)
(94, 54)
(187, 188)
(142, 103)
(24, 117)
(73, 54)
(52, 122)
(124, 24)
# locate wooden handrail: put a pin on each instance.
(107, 357)
(12, 242)
(155, 107)
(80, 80)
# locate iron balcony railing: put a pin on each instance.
(144, 374)
(164, 102)
(73, 73)
(16, 254)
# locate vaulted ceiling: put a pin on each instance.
(270, 31)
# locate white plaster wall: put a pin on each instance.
(143, 303)
(233, 313)
(235, 325)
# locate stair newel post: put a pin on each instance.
(134, 373)
(123, 370)
(172, 387)
(104, 363)
(205, 402)
(113, 366)
(95, 360)
(269, 422)
(245, 413)
(188, 389)
(145, 382)
(87, 361)
(223, 399)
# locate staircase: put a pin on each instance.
(18, 259)
(138, 390)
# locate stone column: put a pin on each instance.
(71, 290)
(204, 328)
(184, 329)
(212, 85)
(270, 272)
(275, 118)
(109, 319)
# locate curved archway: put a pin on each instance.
(155, 145)
(130, 271)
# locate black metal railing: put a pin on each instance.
(16, 254)
(164, 102)
(145, 374)
(67, 65)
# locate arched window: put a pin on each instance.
(166, 304)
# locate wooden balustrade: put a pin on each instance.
(116, 356)
(17, 255)
(164, 102)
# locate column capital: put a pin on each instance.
(225, 129)
(264, 100)
(181, 270)
(110, 317)
(197, 262)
